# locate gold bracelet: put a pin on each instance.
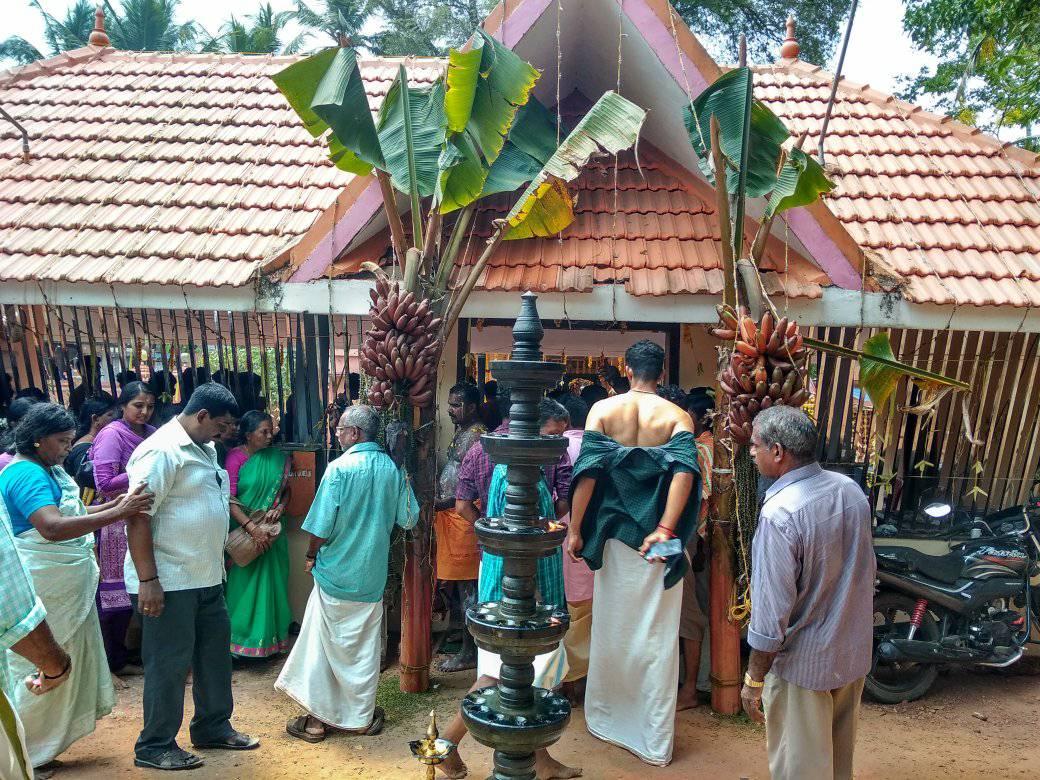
(753, 683)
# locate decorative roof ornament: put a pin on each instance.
(98, 36)
(790, 49)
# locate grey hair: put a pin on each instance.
(364, 418)
(789, 427)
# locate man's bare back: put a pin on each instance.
(638, 419)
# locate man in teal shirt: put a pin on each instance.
(333, 669)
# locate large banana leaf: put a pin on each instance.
(426, 107)
(802, 179)
(327, 92)
(505, 84)
(545, 207)
(300, 81)
(531, 142)
(462, 174)
(461, 80)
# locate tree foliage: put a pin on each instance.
(988, 72)
(261, 36)
(426, 27)
(136, 25)
(820, 23)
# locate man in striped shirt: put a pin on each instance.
(812, 614)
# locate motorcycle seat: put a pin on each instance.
(943, 568)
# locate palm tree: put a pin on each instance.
(71, 32)
(261, 37)
(331, 19)
(149, 25)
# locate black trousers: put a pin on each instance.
(192, 633)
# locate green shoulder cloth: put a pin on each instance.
(631, 490)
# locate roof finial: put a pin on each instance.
(98, 36)
(790, 48)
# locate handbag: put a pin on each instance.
(241, 548)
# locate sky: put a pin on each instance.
(879, 52)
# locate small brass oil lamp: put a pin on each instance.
(432, 750)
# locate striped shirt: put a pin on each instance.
(20, 610)
(190, 510)
(812, 579)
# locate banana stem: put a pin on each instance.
(450, 253)
(729, 271)
(463, 293)
(393, 216)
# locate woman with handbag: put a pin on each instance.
(109, 453)
(257, 588)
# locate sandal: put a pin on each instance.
(297, 727)
(171, 761)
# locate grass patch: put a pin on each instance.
(402, 706)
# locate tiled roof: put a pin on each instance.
(663, 238)
(186, 169)
(956, 213)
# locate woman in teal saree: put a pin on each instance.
(257, 594)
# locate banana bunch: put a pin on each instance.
(401, 348)
(767, 367)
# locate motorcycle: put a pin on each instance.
(947, 601)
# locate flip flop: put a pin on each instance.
(171, 761)
(297, 727)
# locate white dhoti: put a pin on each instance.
(333, 669)
(14, 757)
(634, 655)
(549, 668)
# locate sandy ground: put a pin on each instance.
(972, 725)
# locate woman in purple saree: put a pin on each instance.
(112, 448)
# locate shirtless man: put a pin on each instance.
(634, 487)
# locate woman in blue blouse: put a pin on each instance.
(54, 534)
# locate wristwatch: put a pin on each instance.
(753, 683)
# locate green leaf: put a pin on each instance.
(905, 368)
(300, 81)
(512, 170)
(462, 176)
(802, 180)
(461, 80)
(531, 142)
(545, 207)
(726, 99)
(505, 85)
(340, 102)
(877, 379)
(426, 107)
(346, 160)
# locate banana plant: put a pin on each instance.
(760, 156)
(476, 132)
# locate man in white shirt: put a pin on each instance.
(174, 574)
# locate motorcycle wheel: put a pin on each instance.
(891, 682)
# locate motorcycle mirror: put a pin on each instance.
(938, 510)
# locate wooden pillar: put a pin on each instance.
(417, 584)
(724, 634)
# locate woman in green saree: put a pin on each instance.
(257, 594)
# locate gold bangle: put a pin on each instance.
(753, 683)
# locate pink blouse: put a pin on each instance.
(236, 458)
